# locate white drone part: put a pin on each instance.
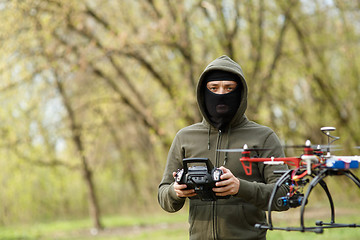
(272, 162)
(328, 129)
(309, 159)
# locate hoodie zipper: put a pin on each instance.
(217, 157)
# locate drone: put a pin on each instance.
(316, 163)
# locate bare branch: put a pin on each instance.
(277, 54)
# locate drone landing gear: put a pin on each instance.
(317, 179)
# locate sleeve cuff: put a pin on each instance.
(172, 193)
(245, 189)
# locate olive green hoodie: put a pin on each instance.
(232, 218)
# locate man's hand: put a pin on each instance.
(229, 184)
(180, 189)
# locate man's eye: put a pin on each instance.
(230, 88)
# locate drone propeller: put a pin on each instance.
(302, 146)
(328, 147)
(315, 147)
(243, 149)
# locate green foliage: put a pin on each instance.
(154, 226)
(92, 92)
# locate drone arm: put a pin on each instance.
(291, 161)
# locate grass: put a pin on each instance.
(328, 234)
(147, 226)
(161, 226)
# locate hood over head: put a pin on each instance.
(226, 64)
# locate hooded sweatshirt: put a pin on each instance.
(234, 217)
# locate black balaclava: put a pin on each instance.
(221, 108)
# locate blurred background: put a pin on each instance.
(92, 92)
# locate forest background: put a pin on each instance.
(93, 92)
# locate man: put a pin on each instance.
(222, 99)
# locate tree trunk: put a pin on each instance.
(94, 208)
(87, 173)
